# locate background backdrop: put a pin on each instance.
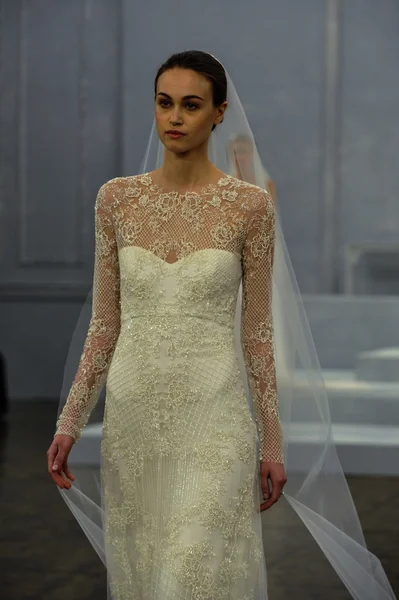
(319, 80)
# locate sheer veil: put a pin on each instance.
(316, 488)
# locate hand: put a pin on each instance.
(276, 473)
(57, 460)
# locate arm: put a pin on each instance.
(104, 325)
(256, 325)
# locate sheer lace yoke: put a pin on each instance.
(206, 189)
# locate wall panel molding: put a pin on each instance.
(331, 127)
(57, 292)
(26, 256)
(32, 265)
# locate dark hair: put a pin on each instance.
(202, 63)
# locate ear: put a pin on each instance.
(222, 109)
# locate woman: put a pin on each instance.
(179, 442)
(179, 249)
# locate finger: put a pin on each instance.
(265, 487)
(50, 457)
(67, 471)
(276, 493)
(58, 462)
(268, 504)
(60, 481)
(56, 471)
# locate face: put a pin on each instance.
(184, 103)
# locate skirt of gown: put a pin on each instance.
(181, 491)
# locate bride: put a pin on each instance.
(181, 334)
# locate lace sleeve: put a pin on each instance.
(104, 325)
(256, 325)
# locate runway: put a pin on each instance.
(45, 555)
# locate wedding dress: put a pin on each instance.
(180, 467)
(198, 331)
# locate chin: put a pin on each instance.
(176, 146)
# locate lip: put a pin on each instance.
(175, 134)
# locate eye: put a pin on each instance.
(189, 105)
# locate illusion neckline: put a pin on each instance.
(206, 189)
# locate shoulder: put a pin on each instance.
(116, 190)
(263, 202)
(249, 190)
(255, 199)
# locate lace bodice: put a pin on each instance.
(229, 215)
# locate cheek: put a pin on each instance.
(202, 123)
(159, 121)
(158, 115)
(157, 124)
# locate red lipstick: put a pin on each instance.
(173, 133)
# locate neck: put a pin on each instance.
(189, 170)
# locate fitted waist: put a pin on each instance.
(182, 334)
(221, 319)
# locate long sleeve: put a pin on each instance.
(104, 324)
(257, 326)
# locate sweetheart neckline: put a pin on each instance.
(165, 262)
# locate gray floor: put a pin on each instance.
(44, 555)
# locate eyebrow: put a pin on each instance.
(184, 97)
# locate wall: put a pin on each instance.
(320, 85)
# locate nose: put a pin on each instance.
(175, 117)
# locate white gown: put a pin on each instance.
(180, 481)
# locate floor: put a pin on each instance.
(44, 554)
